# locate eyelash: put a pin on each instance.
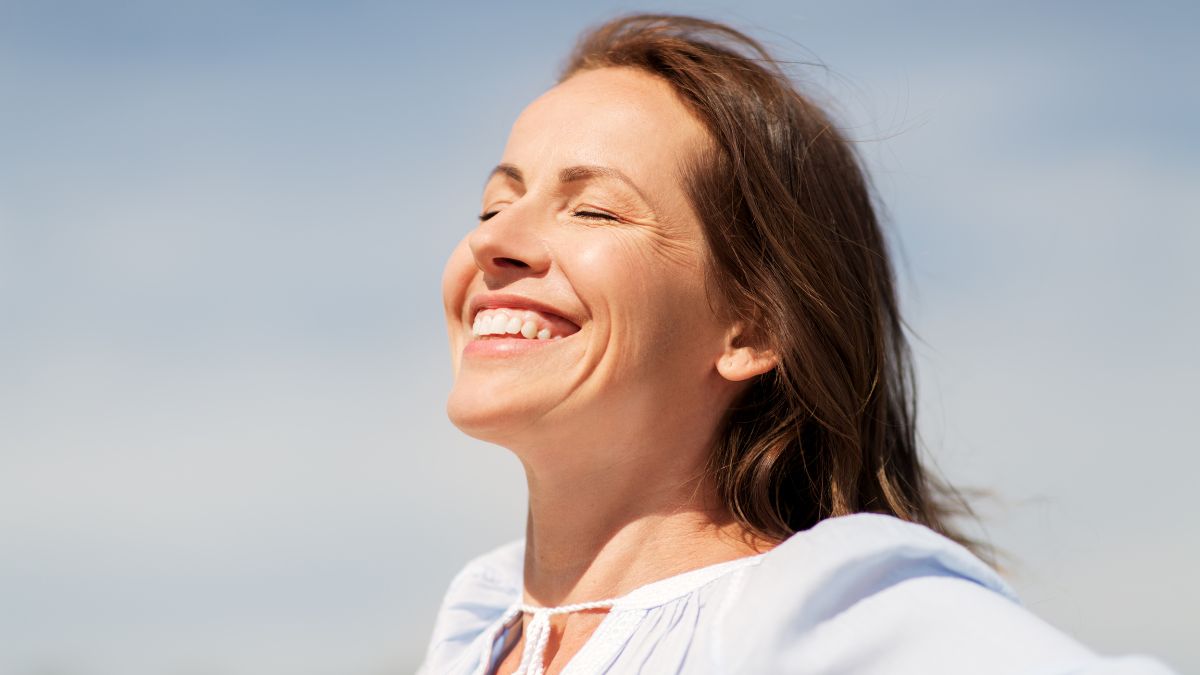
(594, 215)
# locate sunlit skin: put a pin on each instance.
(612, 421)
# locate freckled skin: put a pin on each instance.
(613, 424)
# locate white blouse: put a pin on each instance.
(864, 593)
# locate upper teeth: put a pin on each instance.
(510, 322)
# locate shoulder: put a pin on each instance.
(861, 552)
(870, 593)
(477, 597)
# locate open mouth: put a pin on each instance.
(523, 324)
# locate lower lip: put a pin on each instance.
(493, 347)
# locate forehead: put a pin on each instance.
(617, 117)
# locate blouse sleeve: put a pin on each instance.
(934, 625)
(873, 595)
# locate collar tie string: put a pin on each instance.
(533, 661)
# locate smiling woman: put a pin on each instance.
(677, 311)
(570, 245)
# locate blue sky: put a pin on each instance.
(222, 359)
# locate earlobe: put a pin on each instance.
(742, 361)
(745, 362)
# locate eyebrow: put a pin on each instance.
(573, 174)
(506, 170)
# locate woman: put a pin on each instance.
(678, 312)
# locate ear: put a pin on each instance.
(741, 360)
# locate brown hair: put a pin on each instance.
(798, 255)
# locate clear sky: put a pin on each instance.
(222, 360)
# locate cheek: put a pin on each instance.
(655, 303)
(456, 278)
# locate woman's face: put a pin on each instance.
(577, 307)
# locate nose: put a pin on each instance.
(507, 247)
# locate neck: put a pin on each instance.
(597, 532)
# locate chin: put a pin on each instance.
(488, 411)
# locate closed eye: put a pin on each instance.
(595, 215)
